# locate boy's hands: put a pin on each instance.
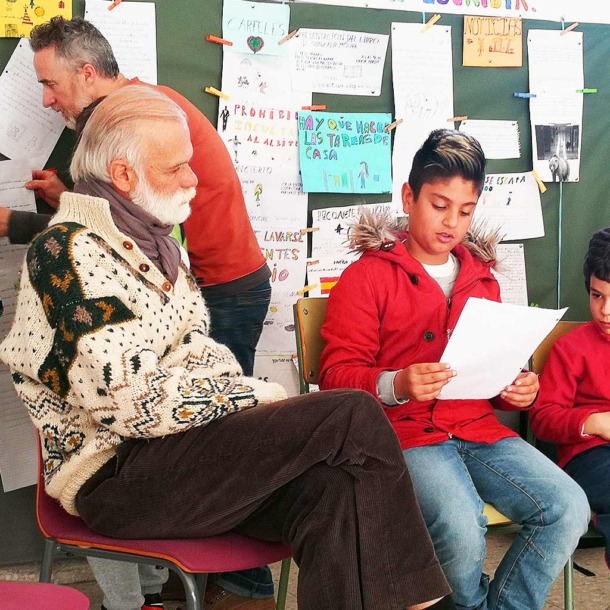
(598, 424)
(47, 186)
(422, 381)
(523, 391)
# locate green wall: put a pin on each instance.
(188, 63)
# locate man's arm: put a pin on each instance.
(21, 227)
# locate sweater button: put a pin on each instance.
(428, 430)
(127, 245)
(428, 336)
(167, 286)
(144, 267)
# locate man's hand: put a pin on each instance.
(5, 214)
(422, 381)
(523, 391)
(47, 186)
(598, 424)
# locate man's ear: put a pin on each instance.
(122, 176)
(408, 197)
(89, 74)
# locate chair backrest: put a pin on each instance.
(542, 351)
(309, 313)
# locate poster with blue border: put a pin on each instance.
(345, 153)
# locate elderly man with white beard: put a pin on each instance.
(149, 428)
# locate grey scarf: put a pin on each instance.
(152, 237)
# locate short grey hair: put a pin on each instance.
(77, 42)
(115, 128)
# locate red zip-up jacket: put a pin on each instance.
(387, 313)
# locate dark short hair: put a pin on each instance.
(447, 153)
(597, 258)
(78, 42)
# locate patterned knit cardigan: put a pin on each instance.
(104, 348)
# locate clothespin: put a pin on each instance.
(309, 230)
(313, 261)
(524, 95)
(211, 38)
(431, 22)
(307, 289)
(214, 91)
(315, 107)
(454, 119)
(586, 90)
(570, 28)
(541, 185)
(288, 36)
(393, 125)
(114, 4)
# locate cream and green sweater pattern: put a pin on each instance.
(103, 348)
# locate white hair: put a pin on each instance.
(116, 128)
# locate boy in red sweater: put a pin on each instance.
(573, 409)
(388, 322)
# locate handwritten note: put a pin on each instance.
(493, 42)
(337, 61)
(499, 139)
(27, 130)
(131, 31)
(510, 273)
(345, 153)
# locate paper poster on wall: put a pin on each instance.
(273, 194)
(422, 73)
(325, 273)
(511, 202)
(278, 368)
(492, 42)
(556, 77)
(499, 139)
(260, 78)
(18, 18)
(278, 328)
(509, 270)
(132, 33)
(345, 153)
(255, 132)
(255, 27)
(338, 61)
(333, 226)
(27, 129)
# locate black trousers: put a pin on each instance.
(322, 472)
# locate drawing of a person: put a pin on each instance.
(224, 115)
(236, 144)
(363, 174)
(258, 191)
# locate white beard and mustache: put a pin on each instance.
(167, 209)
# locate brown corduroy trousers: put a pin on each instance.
(322, 472)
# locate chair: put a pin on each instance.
(309, 313)
(192, 559)
(40, 596)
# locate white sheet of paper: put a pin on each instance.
(130, 28)
(422, 74)
(512, 203)
(338, 61)
(499, 139)
(510, 273)
(490, 345)
(27, 130)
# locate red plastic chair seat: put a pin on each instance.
(40, 596)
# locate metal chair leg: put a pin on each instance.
(568, 585)
(47, 560)
(193, 600)
(282, 588)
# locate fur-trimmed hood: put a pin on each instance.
(374, 232)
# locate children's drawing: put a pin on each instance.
(224, 115)
(345, 153)
(255, 43)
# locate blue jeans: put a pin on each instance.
(236, 321)
(591, 470)
(454, 479)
